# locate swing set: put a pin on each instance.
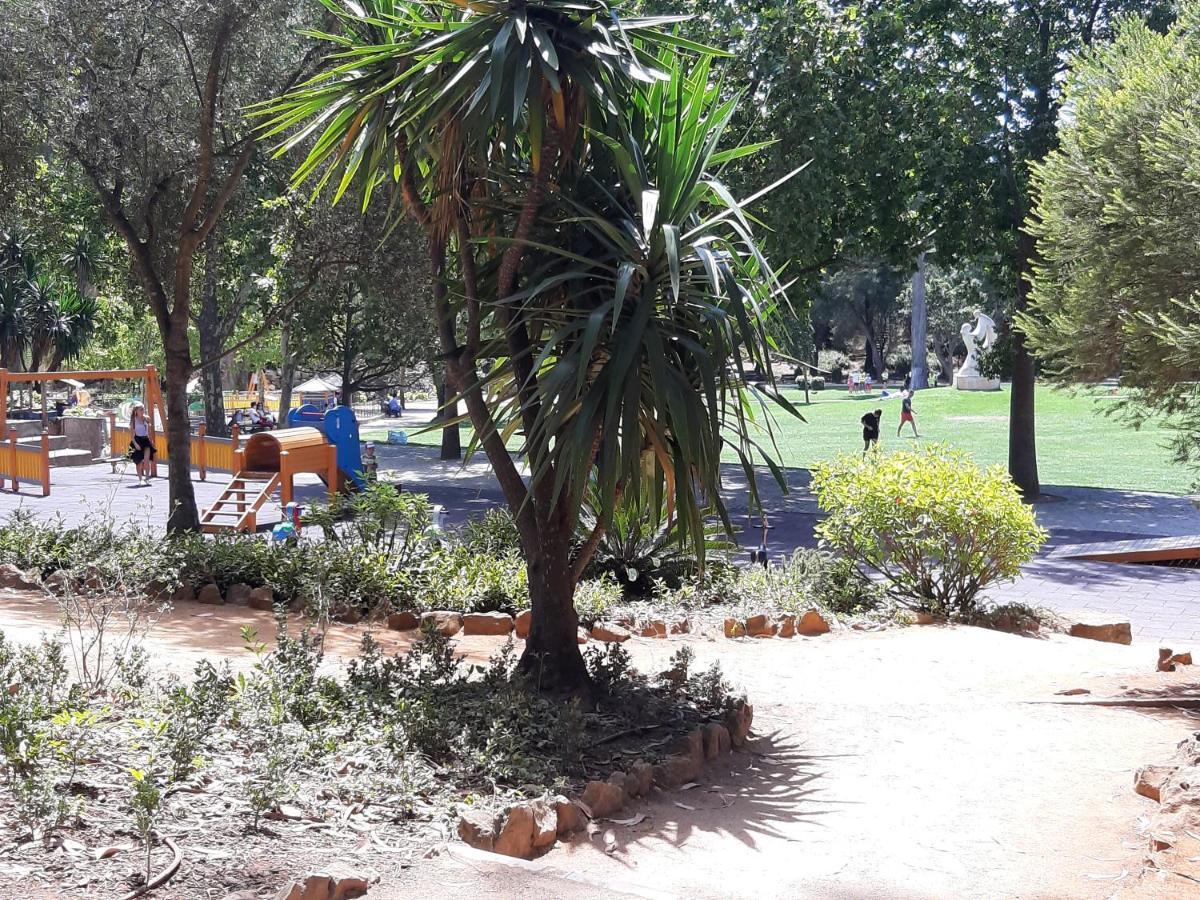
(27, 459)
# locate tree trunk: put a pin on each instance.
(287, 371)
(184, 515)
(920, 338)
(945, 360)
(1022, 439)
(451, 435)
(208, 327)
(551, 655)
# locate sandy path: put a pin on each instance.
(919, 762)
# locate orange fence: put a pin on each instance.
(21, 462)
(207, 452)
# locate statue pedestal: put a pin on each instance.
(976, 383)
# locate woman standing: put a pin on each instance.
(143, 448)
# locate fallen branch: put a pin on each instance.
(162, 877)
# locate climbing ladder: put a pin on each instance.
(237, 508)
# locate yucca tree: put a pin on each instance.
(560, 161)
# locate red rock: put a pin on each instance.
(1148, 781)
(14, 579)
(447, 624)
(1165, 663)
(610, 634)
(516, 834)
(676, 770)
(581, 636)
(522, 623)
(545, 823)
(653, 629)
(238, 594)
(405, 620)
(924, 618)
(350, 615)
(210, 593)
(487, 623)
(787, 626)
(691, 745)
(1114, 633)
(477, 827)
(716, 740)
(602, 798)
(681, 626)
(738, 722)
(332, 883)
(625, 783)
(261, 598)
(1182, 659)
(570, 816)
(812, 624)
(185, 593)
(757, 626)
(641, 773)
(734, 628)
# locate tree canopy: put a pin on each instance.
(1116, 219)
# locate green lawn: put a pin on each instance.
(1077, 443)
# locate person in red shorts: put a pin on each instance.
(906, 414)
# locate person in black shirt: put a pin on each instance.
(870, 424)
(906, 414)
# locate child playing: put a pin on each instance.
(870, 424)
(906, 414)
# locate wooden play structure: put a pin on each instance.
(322, 443)
(266, 463)
(29, 459)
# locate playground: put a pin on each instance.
(316, 444)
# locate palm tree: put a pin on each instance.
(16, 274)
(82, 260)
(561, 162)
(77, 327)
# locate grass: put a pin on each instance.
(1077, 443)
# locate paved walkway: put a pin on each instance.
(1161, 602)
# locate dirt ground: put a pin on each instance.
(909, 763)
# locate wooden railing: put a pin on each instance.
(21, 462)
(218, 454)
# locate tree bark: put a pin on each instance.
(287, 371)
(184, 515)
(451, 436)
(920, 337)
(208, 327)
(1022, 438)
(551, 657)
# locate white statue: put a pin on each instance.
(981, 337)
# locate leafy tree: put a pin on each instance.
(40, 315)
(561, 160)
(1116, 219)
(862, 299)
(146, 100)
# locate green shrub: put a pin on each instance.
(596, 597)
(936, 527)
(456, 578)
(494, 533)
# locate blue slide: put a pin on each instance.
(341, 429)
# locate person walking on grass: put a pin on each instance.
(906, 414)
(870, 424)
(141, 447)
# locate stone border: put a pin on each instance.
(531, 827)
